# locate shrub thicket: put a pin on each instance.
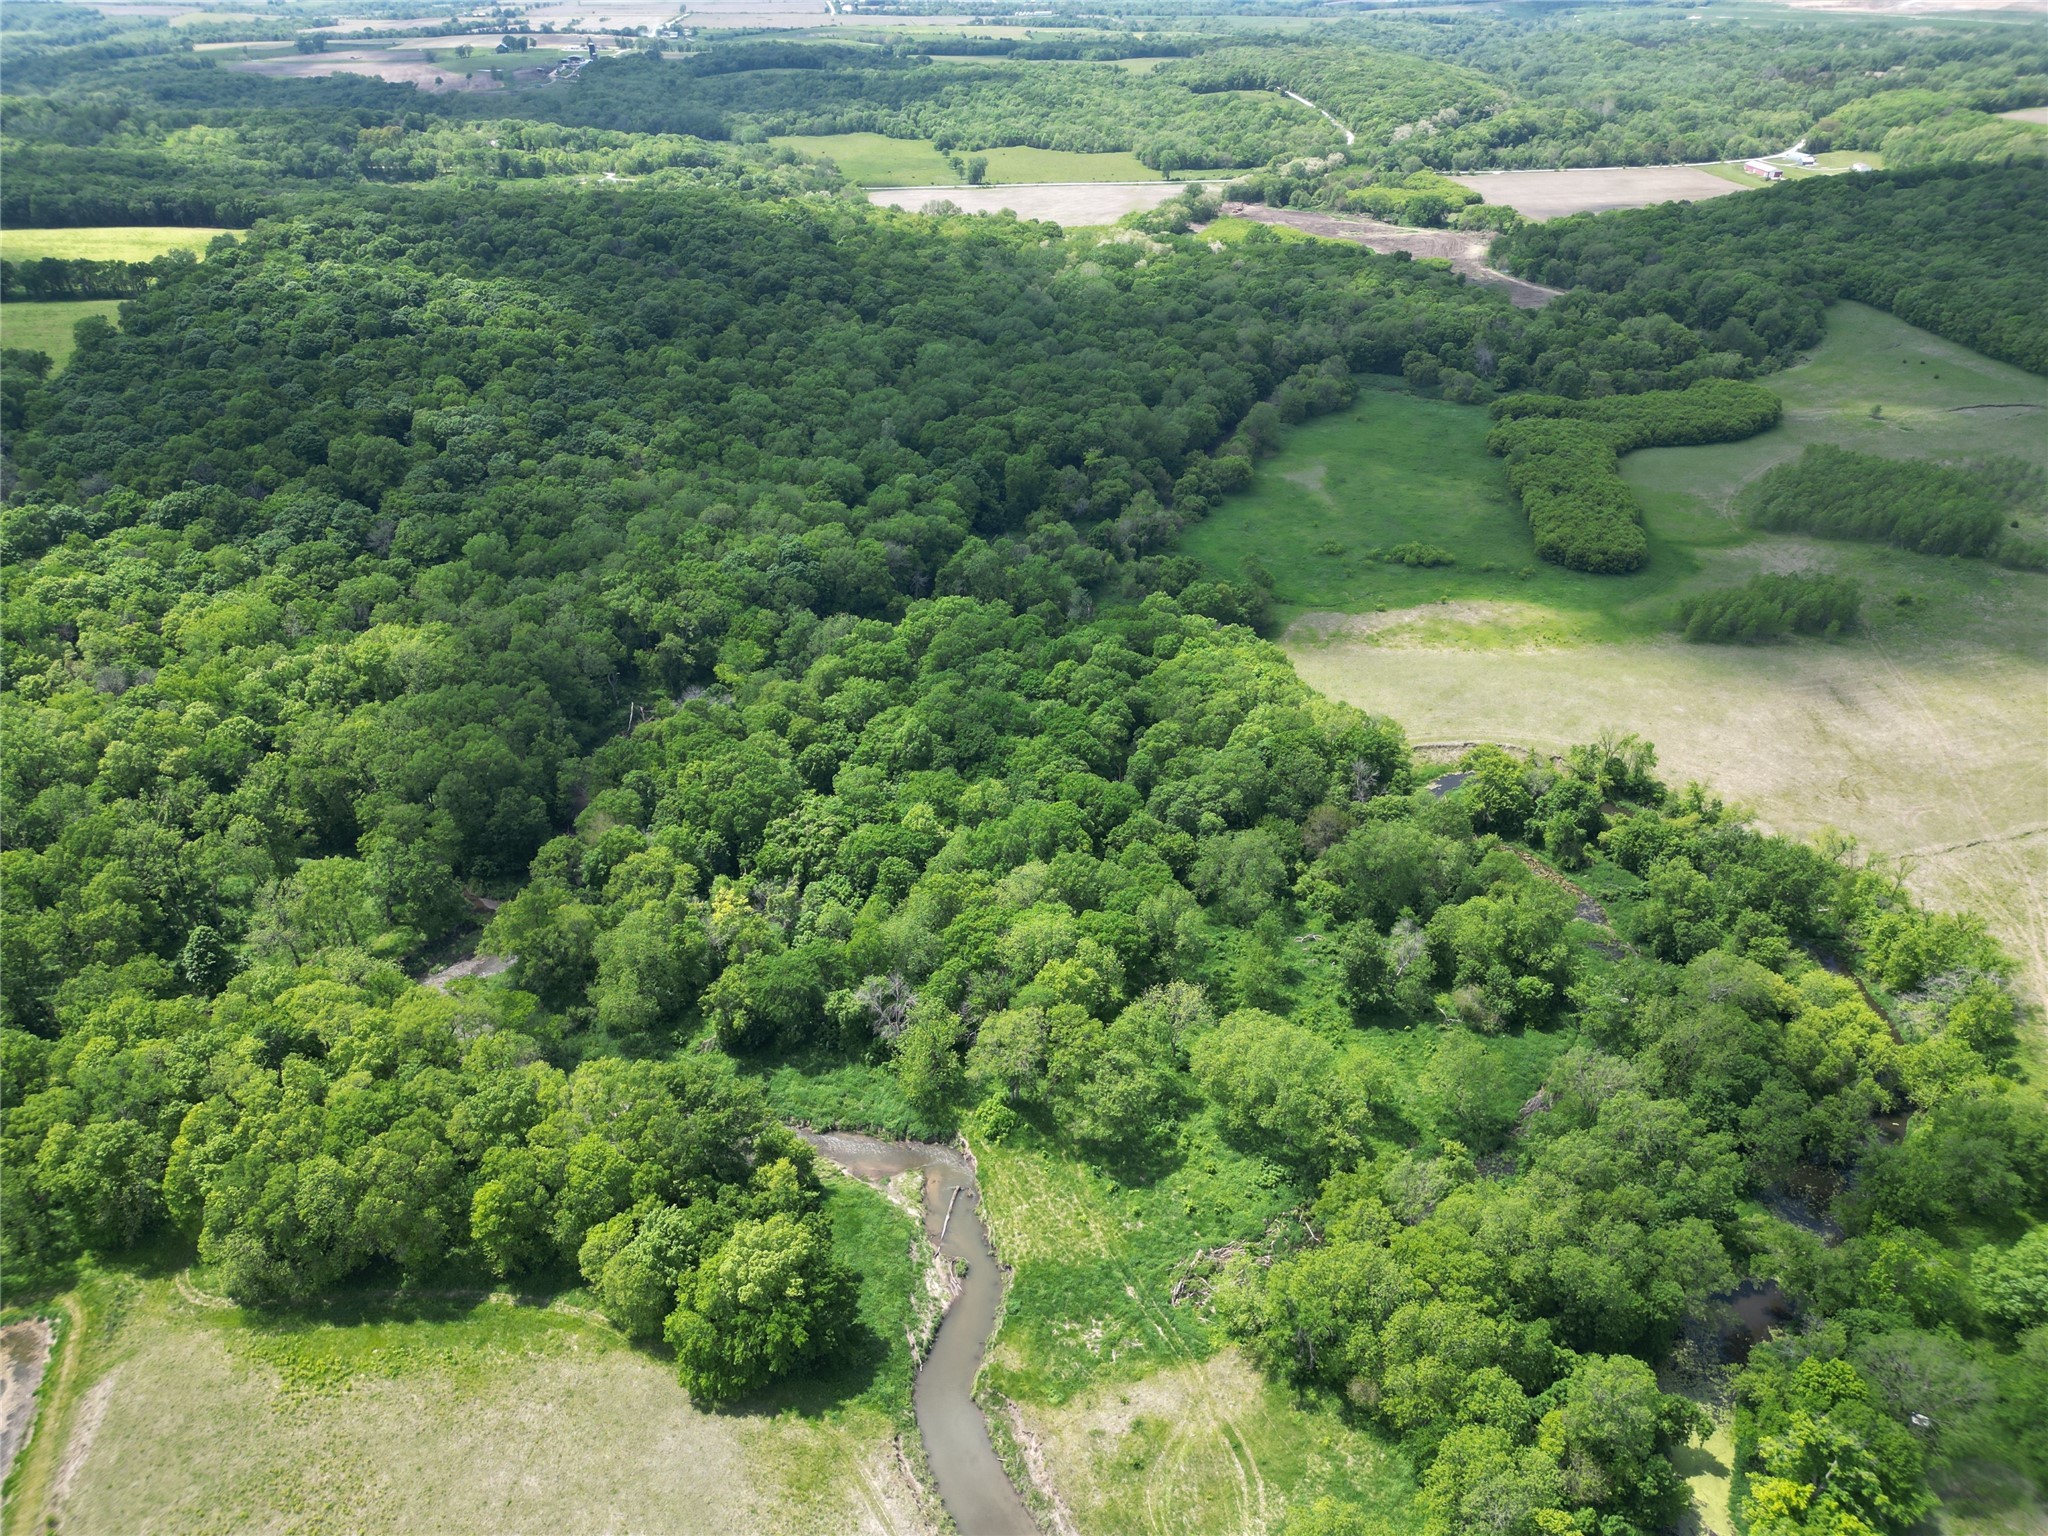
(1771, 607)
(1562, 460)
(1916, 504)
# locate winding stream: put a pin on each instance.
(972, 1484)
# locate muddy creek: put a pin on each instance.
(972, 1484)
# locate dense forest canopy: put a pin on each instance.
(1955, 251)
(760, 615)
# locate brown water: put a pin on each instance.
(1756, 1310)
(24, 1352)
(974, 1488)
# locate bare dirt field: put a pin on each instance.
(721, 14)
(2028, 115)
(386, 24)
(1932, 753)
(611, 15)
(1553, 194)
(1465, 251)
(401, 66)
(1071, 202)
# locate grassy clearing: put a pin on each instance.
(48, 327)
(1141, 1416)
(457, 1414)
(1213, 1447)
(1708, 1469)
(874, 160)
(1875, 385)
(122, 242)
(1919, 737)
(1833, 163)
(1141, 1419)
(1397, 469)
(1094, 1256)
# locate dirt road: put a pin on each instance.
(1349, 136)
(1466, 251)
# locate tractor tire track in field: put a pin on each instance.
(2033, 931)
(1251, 1483)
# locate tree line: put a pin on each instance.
(1970, 508)
(1769, 607)
(1919, 127)
(1563, 460)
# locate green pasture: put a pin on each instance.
(874, 160)
(48, 327)
(1322, 514)
(121, 242)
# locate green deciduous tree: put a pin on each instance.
(770, 1301)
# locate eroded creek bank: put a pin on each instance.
(24, 1354)
(972, 1484)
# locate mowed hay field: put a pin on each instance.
(1919, 737)
(460, 1415)
(48, 327)
(874, 160)
(122, 242)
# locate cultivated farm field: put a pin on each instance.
(1553, 194)
(1917, 737)
(426, 68)
(1074, 204)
